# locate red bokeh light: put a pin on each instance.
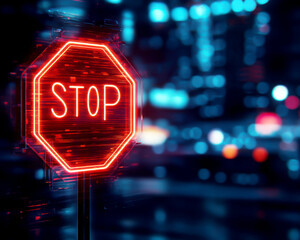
(292, 102)
(267, 123)
(260, 154)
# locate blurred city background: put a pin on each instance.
(219, 157)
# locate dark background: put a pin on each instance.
(207, 76)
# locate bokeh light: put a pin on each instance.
(260, 154)
(261, 2)
(292, 102)
(220, 7)
(179, 14)
(168, 98)
(263, 18)
(293, 165)
(215, 136)
(249, 5)
(237, 6)
(199, 11)
(230, 151)
(280, 92)
(203, 174)
(200, 147)
(153, 135)
(158, 12)
(267, 123)
(114, 1)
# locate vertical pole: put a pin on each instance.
(87, 206)
(83, 206)
(80, 206)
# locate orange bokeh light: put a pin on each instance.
(230, 151)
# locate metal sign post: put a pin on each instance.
(84, 206)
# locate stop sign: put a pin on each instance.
(83, 106)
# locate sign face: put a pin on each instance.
(83, 106)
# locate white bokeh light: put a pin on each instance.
(280, 92)
(215, 136)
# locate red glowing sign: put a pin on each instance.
(83, 109)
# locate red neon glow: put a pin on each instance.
(110, 104)
(121, 116)
(65, 106)
(77, 91)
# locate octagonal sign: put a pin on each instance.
(83, 106)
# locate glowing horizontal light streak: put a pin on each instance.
(114, 1)
(153, 135)
(68, 12)
(168, 98)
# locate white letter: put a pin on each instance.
(53, 86)
(110, 104)
(88, 101)
(77, 90)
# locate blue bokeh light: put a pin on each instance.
(249, 5)
(114, 1)
(197, 81)
(200, 147)
(168, 98)
(218, 81)
(263, 18)
(262, 2)
(179, 14)
(262, 87)
(199, 11)
(220, 7)
(158, 12)
(237, 6)
(203, 174)
(39, 174)
(293, 165)
(128, 27)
